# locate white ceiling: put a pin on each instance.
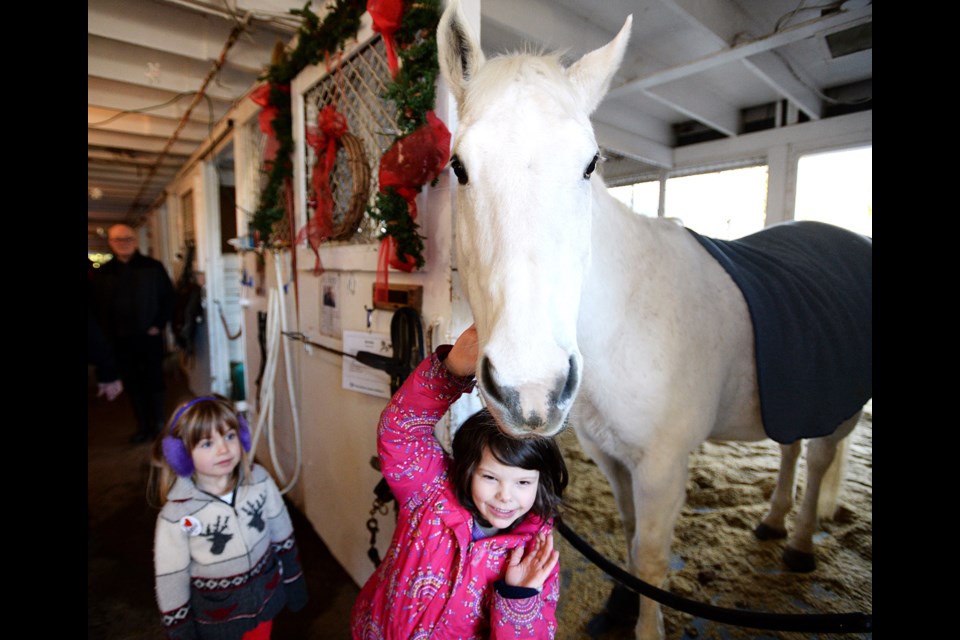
(162, 73)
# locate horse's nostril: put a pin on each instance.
(488, 380)
(573, 380)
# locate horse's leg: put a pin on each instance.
(773, 524)
(623, 605)
(659, 489)
(823, 464)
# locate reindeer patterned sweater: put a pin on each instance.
(222, 569)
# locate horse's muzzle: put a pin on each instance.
(530, 408)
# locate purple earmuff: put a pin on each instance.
(176, 452)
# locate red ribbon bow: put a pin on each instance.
(413, 161)
(268, 113)
(386, 16)
(323, 138)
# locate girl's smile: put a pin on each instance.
(502, 493)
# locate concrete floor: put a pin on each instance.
(120, 524)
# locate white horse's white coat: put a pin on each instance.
(576, 297)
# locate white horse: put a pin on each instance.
(576, 298)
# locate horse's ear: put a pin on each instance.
(593, 72)
(458, 51)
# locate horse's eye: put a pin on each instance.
(591, 166)
(458, 169)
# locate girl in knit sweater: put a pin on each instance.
(472, 555)
(224, 553)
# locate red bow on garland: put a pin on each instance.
(412, 161)
(269, 112)
(386, 16)
(331, 125)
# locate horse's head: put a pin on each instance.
(524, 153)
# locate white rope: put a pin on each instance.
(291, 396)
(276, 325)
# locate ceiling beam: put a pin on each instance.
(103, 156)
(726, 24)
(182, 32)
(556, 27)
(632, 145)
(144, 125)
(152, 69)
(846, 18)
(700, 104)
(773, 69)
(126, 173)
(150, 144)
(117, 94)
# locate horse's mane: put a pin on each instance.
(532, 67)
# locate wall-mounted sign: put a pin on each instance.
(360, 377)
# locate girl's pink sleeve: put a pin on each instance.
(410, 456)
(533, 618)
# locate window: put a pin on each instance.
(724, 204)
(642, 197)
(837, 187)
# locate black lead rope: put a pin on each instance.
(802, 622)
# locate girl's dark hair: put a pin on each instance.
(536, 453)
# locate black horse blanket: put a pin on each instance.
(809, 288)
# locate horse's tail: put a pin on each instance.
(832, 481)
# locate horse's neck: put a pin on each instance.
(627, 247)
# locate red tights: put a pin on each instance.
(261, 632)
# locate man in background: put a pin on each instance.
(132, 299)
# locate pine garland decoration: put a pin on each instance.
(414, 93)
(314, 40)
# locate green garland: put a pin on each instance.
(413, 92)
(315, 39)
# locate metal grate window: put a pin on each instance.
(356, 89)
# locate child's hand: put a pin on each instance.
(533, 569)
(462, 359)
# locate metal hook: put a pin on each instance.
(369, 316)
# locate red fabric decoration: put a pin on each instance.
(416, 160)
(413, 161)
(261, 96)
(386, 15)
(323, 138)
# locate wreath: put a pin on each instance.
(360, 180)
(327, 139)
(408, 28)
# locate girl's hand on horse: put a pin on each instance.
(532, 569)
(462, 359)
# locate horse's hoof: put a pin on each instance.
(799, 561)
(763, 532)
(603, 623)
(620, 612)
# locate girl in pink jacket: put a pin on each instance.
(472, 556)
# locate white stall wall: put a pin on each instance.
(339, 425)
(329, 430)
(271, 406)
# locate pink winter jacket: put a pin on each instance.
(435, 582)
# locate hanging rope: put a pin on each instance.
(223, 320)
(231, 40)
